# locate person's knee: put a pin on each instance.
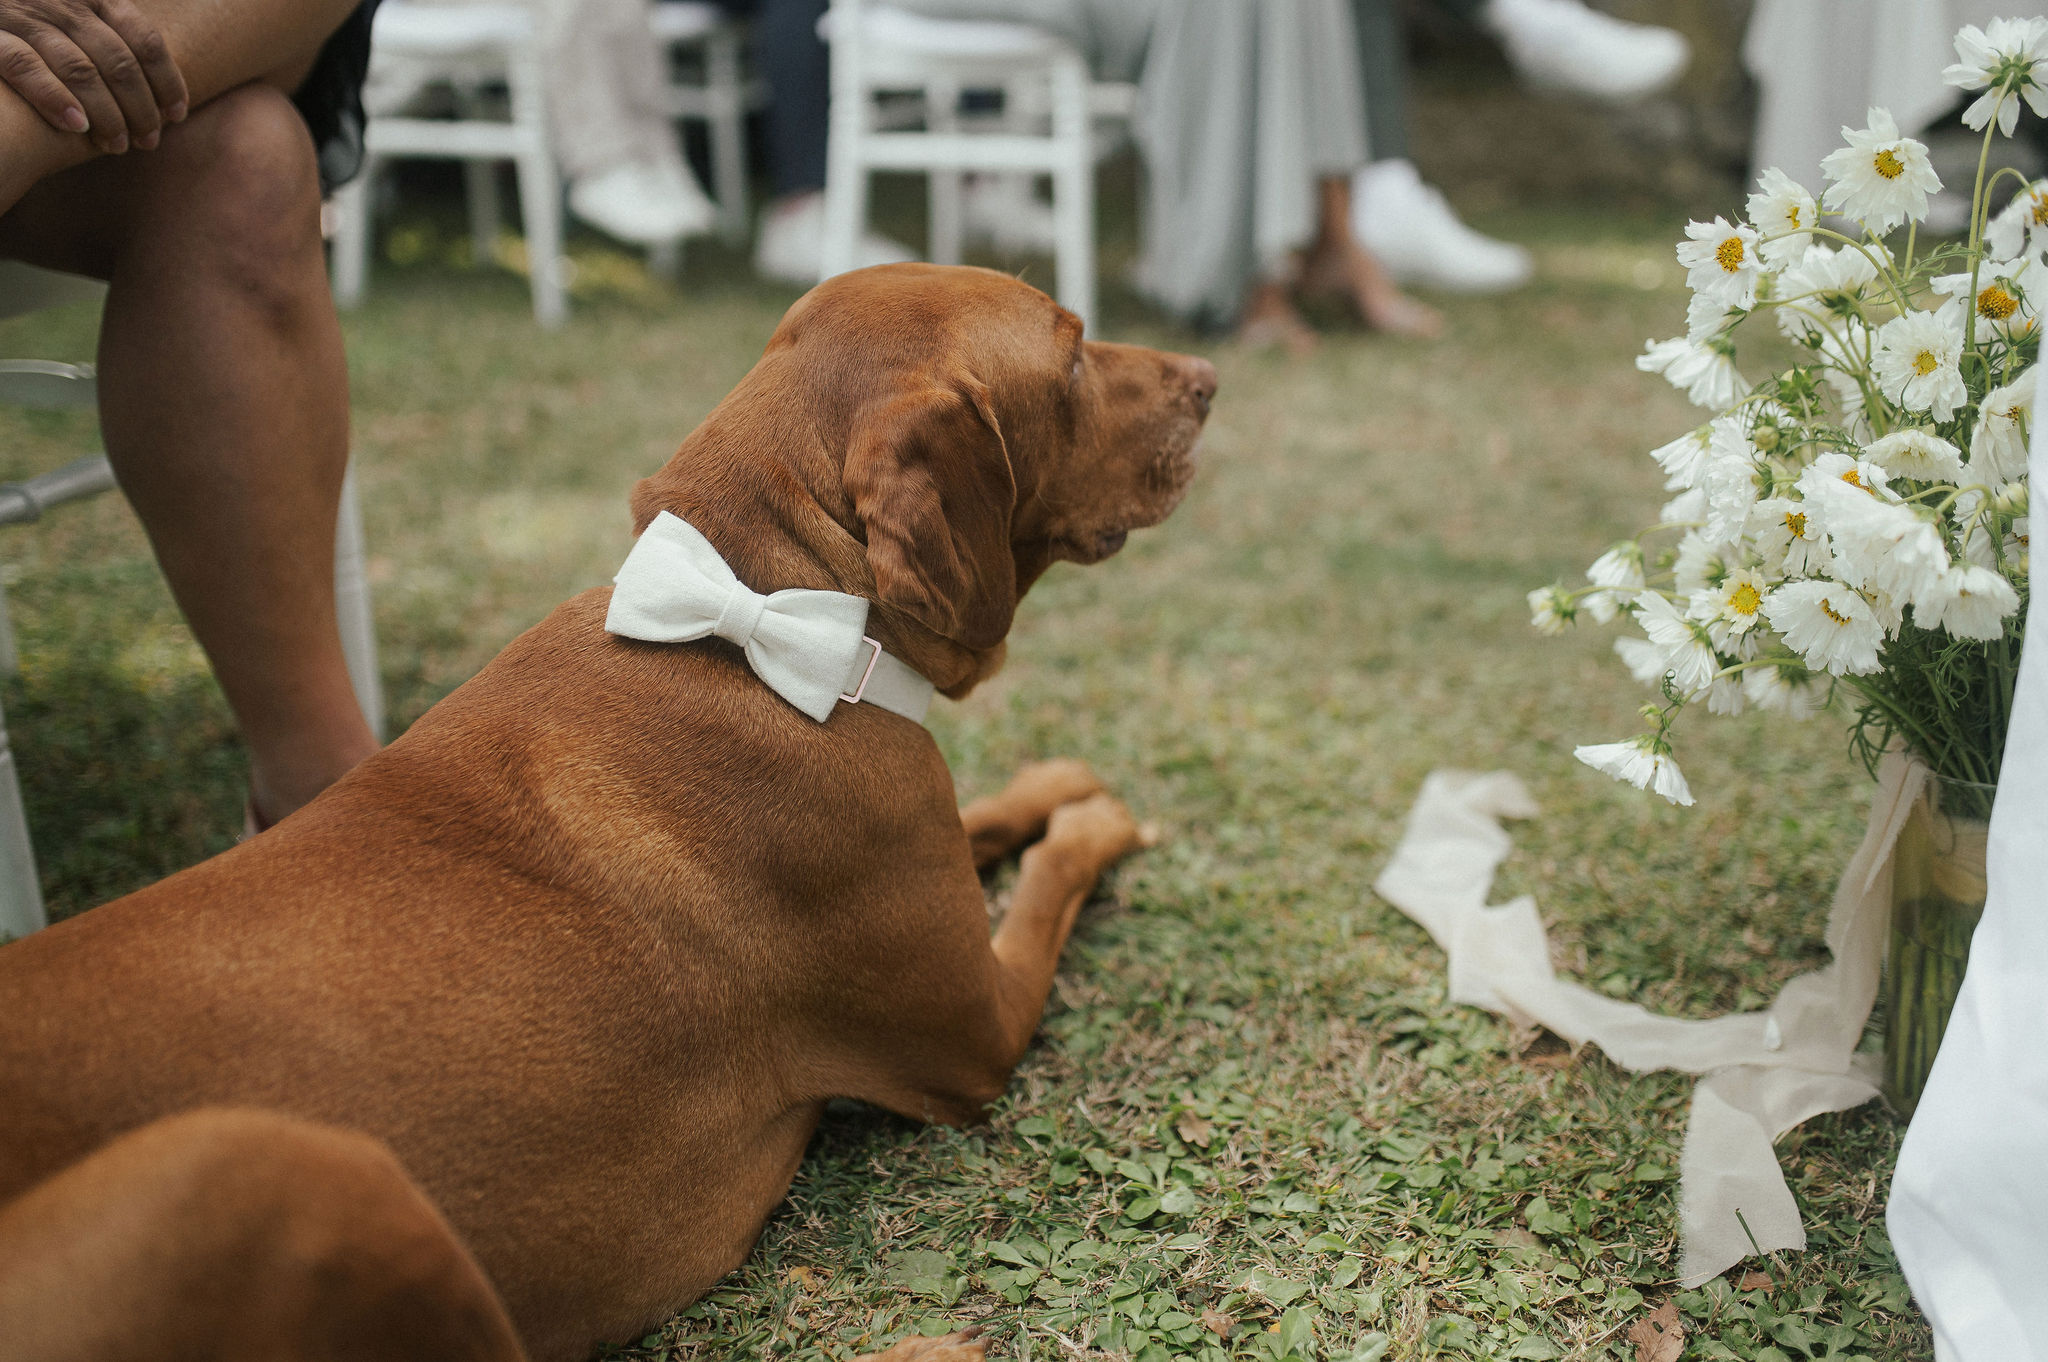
(240, 182)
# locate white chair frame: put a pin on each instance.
(471, 44)
(940, 59)
(721, 101)
(48, 385)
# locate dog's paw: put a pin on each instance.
(965, 1346)
(1042, 786)
(1099, 827)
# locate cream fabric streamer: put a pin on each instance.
(1765, 1072)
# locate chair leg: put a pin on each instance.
(1073, 196)
(352, 607)
(350, 260)
(947, 187)
(480, 187)
(846, 191)
(727, 125)
(21, 893)
(540, 190)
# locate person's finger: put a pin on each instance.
(69, 64)
(121, 72)
(23, 71)
(144, 39)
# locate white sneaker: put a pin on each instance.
(645, 204)
(1564, 45)
(791, 246)
(1420, 240)
(1005, 211)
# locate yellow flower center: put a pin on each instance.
(1829, 611)
(1795, 521)
(1792, 217)
(1852, 477)
(1925, 363)
(2041, 210)
(1746, 600)
(1996, 303)
(1728, 255)
(1888, 164)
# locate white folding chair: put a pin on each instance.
(721, 99)
(467, 46)
(878, 49)
(48, 385)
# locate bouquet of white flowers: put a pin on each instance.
(1853, 528)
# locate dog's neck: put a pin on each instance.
(787, 523)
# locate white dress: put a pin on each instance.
(1969, 1204)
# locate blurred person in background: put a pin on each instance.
(1251, 126)
(607, 116)
(157, 146)
(1552, 44)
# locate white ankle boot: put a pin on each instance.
(1564, 45)
(1421, 241)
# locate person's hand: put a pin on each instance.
(92, 66)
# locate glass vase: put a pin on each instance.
(1938, 895)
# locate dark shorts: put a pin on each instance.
(331, 98)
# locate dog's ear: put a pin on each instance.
(930, 478)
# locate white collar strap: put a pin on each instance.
(809, 647)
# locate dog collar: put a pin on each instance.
(809, 647)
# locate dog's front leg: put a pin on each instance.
(1003, 824)
(1082, 839)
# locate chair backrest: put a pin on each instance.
(25, 288)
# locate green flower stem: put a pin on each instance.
(1978, 198)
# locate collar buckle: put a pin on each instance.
(853, 696)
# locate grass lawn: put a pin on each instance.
(1250, 1106)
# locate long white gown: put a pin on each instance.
(1969, 1206)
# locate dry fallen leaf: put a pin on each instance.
(1218, 1323)
(1753, 1281)
(1516, 1237)
(1194, 1130)
(1658, 1336)
(804, 1278)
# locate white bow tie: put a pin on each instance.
(807, 646)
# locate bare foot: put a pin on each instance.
(1271, 322)
(965, 1346)
(1347, 270)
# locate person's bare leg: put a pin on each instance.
(224, 407)
(1270, 320)
(218, 44)
(1336, 263)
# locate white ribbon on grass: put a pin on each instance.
(1765, 1071)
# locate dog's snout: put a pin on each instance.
(1200, 377)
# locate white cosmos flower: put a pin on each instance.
(1881, 178)
(1720, 261)
(1708, 315)
(1730, 479)
(1700, 560)
(1684, 460)
(1783, 214)
(1789, 539)
(1687, 508)
(1968, 602)
(2023, 223)
(1732, 608)
(1688, 653)
(1642, 762)
(1550, 610)
(1918, 359)
(1826, 281)
(1920, 455)
(1785, 688)
(1830, 625)
(1705, 371)
(1619, 574)
(1885, 546)
(1998, 447)
(2010, 57)
(2008, 291)
(1644, 659)
(1817, 481)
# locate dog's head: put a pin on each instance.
(955, 426)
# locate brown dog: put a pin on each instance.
(577, 962)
